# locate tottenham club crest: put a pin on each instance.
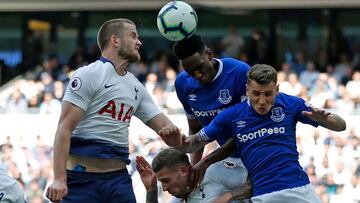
(277, 115)
(75, 83)
(224, 96)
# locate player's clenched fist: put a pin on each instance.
(172, 135)
(57, 190)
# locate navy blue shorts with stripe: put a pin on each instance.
(110, 187)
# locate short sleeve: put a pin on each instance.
(147, 108)
(305, 106)
(80, 90)
(217, 127)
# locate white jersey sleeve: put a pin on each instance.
(147, 108)
(81, 88)
(10, 190)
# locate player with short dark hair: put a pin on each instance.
(263, 129)
(206, 87)
(91, 144)
(173, 169)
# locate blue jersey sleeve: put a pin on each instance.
(180, 89)
(217, 127)
(304, 106)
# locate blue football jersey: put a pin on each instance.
(266, 143)
(204, 102)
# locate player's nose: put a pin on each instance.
(138, 43)
(262, 100)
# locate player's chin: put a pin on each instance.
(262, 111)
(205, 82)
(134, 58)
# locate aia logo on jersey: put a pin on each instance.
(75, 83)
(277, 115)
(224, 96)
(125, 112)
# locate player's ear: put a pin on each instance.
(184, 169)
(277, 89)
(115, 41)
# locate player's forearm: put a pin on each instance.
(193, 143)
(152, 196)
(195, 157)
(158, 123)
(221, 153)
(61, 151)
(242, 192)
(333, 122)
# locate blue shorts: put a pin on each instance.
(107, 187)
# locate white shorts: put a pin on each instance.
(303, 194)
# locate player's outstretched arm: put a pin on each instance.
(69, 118)
(148, 178)
(194, 127)
(218, 154)
(326, 119)
(168, 132)
(240, 193)
(192, 143)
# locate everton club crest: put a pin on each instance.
(277, 115)
(224, 96)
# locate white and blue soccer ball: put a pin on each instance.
(177, 20)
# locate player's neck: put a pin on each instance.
(119, 63)
(215, 67)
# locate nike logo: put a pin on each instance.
(107, 86)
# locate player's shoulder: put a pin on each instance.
(235, 110)
(94, 69)
(183, 79)
(183, 75)
(289, 100)
(234, 64)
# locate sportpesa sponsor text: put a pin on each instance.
(213, 112)
(259, 133)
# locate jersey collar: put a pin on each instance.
(220, 69)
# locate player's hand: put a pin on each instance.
(316, 114)
(224, 198)
(197, 174)
(171, 135)
(57, 190)
(147, 175)
(245, 191)
(241, 193)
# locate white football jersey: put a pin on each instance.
(222, 176)
(10, 190)
(109, 100)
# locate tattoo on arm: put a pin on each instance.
(333, 122)
(194, 143)
(242, 192)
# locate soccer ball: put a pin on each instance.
(177, 20)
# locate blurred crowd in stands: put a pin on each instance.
(328, 78)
